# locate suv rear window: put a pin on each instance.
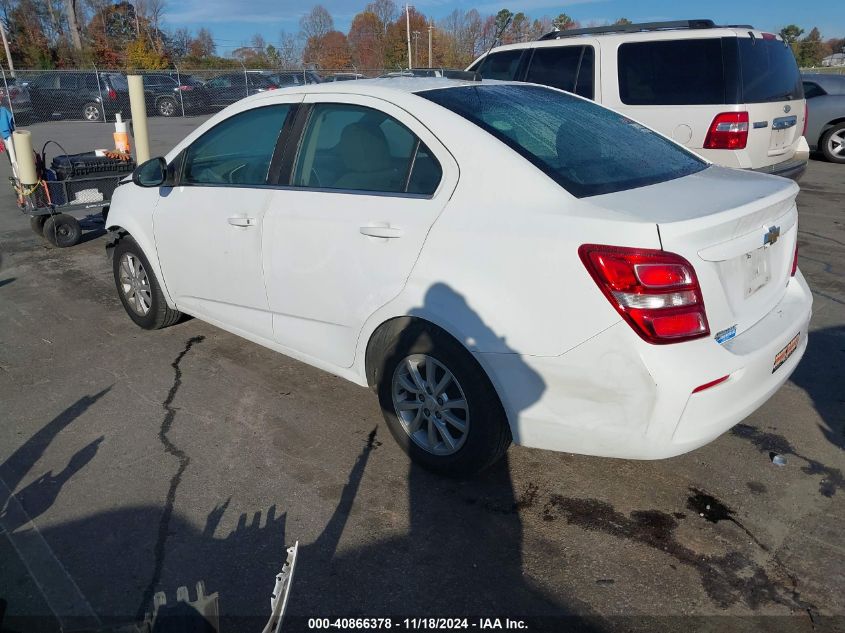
(677, 72)
(769, 71)
(587, 149)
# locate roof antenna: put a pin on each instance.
(503, 21)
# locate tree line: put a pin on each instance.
(73, 33)
(811, 49)
(47, 34)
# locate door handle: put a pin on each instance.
(381, 231)
(239, 220)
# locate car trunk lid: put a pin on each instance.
(738, 229)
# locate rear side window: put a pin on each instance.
(356, 148)
(237, 151)
(587, 149)
(562, 67)
(678, 72)
(813, 90)
(68, 82)
(501, 65)
(769, 71)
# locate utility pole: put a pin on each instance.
(8, 53)
(430, 29)
(408, 31)
(417, 46)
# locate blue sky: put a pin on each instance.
(234, 22)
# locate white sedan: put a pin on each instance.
(499, 261)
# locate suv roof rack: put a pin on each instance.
(637, 28)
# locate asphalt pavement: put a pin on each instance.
(133, 462)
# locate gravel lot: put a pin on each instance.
(133, 462)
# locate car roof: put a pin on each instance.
(383, 85)
(636, 36)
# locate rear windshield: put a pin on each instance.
(587, 149)
(769, 71)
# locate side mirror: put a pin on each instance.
(152, 173)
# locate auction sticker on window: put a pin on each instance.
(786, 352)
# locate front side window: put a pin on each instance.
(674, 72)
(220, 82)
(501, 65)
(587, 149)
(562, 67)
(237, 151)
(356, 148)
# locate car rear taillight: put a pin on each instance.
(806, 119)
(112, 94)
(729, 130)
(655, 291)
(185, 88)
(794, 261)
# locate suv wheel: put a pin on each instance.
(167, 106)
(439, 404)
(833, 144)
(92, 112)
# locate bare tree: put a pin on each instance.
(290, 50)
(385, 10)
(316, 23)
(73, 26)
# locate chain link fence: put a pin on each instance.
(96, 95)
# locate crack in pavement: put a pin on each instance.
(184, 460)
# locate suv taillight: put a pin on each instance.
(112, 94)
(656, 292)
(184, 88)
(806, 119)
(729, 130)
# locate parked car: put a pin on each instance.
(731, 94)
(223, 90)
(826, 113)
(79, 95)
(17, 97)
(344, 77)
(167, 96)
(499, 261)
(285, 78)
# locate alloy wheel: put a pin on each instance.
(430, 404)
(836, 144)
(135, 284)
(91, 113)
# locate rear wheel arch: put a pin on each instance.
(829, 125)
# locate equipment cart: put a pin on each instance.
(68, 190)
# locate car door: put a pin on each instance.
(340, 240)
(67, 96)
(208, 226)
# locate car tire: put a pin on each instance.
(138, 288)
(833, 144)
(166, 106)
(92, 112)
(62, 230)
(415, 415)
(36, 223)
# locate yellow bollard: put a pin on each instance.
(138, 106)
(26, 159)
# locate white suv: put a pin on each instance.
(732, 94)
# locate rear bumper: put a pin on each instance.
(792, 169)
(617, 396)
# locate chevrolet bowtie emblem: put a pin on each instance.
(771, 236)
